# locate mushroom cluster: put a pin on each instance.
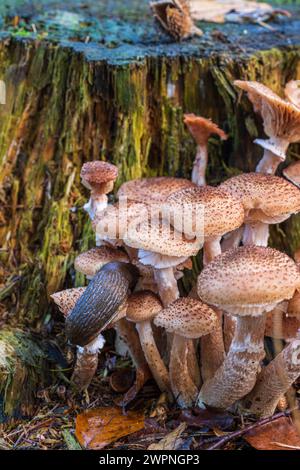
(206, 349)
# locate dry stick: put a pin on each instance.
(234, 435)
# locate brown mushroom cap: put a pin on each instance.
(281, 118)
(292, 173)
(152, 190)
(143, 306)
(159, 237)
(99, 172)
(222, 211)
(66, 299)
(264, 195)
(248, 280)
(187, 317)
(202, 128)
(292, 92)
(91, 261)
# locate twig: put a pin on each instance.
(241, 432)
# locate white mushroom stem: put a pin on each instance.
(86, 364)
(192, 362)
(200, 165)
(96, 204)
(232, 239)
(212, 345)
(270, 161)
(154, 360)
(237, 375)
(274, 381)
(184, 389)
(256, 234)
(229, 329)
(167, 285)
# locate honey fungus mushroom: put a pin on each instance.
(266, 199)
(247, 282)
(201, 129)
(99, 178)
(187, 319)
(175, 18)
(281, 121)
(91, 261)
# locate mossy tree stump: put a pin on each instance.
(98, 79)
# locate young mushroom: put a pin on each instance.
(281, 124)
(201, 129)
(90, 262)
(142, 308)
(187, 319)
(87, 357)
(175, 18)
(99, 178)
(267, 199)
(247, 282)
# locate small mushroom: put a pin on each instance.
(281, 124)
(142, 308)
(187, 319)
(266, 199)
(175, 18)
(87, 357)
(201, 129)
(99, 304)
(292, 173)
(99, 178)
(274, 381)
(247, 282)
(90, 262)
(292, 92)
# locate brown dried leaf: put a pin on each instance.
(171, 441)
(216, 10)
(95, 429)
(277, 435)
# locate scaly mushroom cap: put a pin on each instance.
(160, 238)
(264, 196)
(222, 212)
(98, 172)
(281, 118)
(152, 190)
(143, 306)
(293, 309)
(292, 92)
(91, 261)
(202, 128)
(292, 173)
(66, 299)
(187, 317)
(249, 280)
(285, 327)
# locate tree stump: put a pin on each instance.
(100, 80)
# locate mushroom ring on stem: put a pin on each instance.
(99, 178)
(266, 199)
(188, 319)
(281, 123)
(247, 282)
(99, 304)
(201, 129)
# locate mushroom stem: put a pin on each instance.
(256, 234)
(212, 350)
(270, 161)
(86, 364)
(96, 204)
(237, 375)
(154, 360)
(200, 165)
(232, 239)
(211, 249)
(192, 362)
(274, 381)
(184, 389)
(229, 329)
(167, 285)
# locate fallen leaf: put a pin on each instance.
(206, 418)
(278, 435)
(216, 10)
(171, 441)
(95, 429)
